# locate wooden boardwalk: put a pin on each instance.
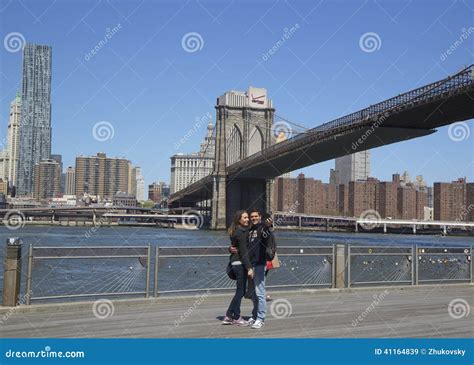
(409, 312)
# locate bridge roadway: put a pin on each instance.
(420, 311)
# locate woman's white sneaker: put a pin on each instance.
(258, 324)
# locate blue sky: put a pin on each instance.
(151, 90)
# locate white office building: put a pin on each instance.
(353, 167)
(189, 168)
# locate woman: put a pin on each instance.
(241, 266)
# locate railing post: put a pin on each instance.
(29, 274)
(148, 261)
(340, 266)
(333, 268)
(12, 272)
(417, 264)
(472, 255)
(413, 258)
(155, 284)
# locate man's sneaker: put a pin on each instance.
(240, 322)
(227, 320)
(258, 324)
(251, 321)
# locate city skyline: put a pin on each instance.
(317, 91)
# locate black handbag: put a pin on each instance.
(230, 272)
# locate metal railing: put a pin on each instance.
(191, 268)
(36, 254)
(379, 265)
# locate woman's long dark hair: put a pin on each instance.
(235, 222)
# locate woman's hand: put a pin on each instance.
(250, 273)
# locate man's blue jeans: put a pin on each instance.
(259, 296)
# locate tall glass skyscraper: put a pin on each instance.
(35, 126)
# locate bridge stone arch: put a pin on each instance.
(255, 140)
(234, 145)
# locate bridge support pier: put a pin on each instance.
(385, 228)
(414, 229)
(356, 227)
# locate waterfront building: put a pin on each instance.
(101, 176)
(158, 192)
(70, 188)
(189, 168)
(47, 184)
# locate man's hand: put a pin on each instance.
(250, 273)
(233, 249)
(269, 222)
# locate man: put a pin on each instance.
(259, 238)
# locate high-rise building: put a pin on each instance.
(35, 126)
(47, 179)
(4, 163)
(470, 202)
(139, 190)
(102, 176)
(70, 188)
(13, 139)
(189, 168)
(406, 202)
(353, 167)
(449, 200)
(362, 196)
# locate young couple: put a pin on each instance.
(249, 242)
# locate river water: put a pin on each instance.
(57, 277)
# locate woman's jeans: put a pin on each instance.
(241, 279)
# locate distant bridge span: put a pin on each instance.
(410, 115)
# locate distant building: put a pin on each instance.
(158, 192)
(124, 200)
(35, 127)
(189, 168)
(47, 180)
(352, 167)
(4, 188)
(70, 188)
(138, 184)
(102, 176)
(362, 196)
(450, 200)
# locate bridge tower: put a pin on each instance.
(243, 127)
